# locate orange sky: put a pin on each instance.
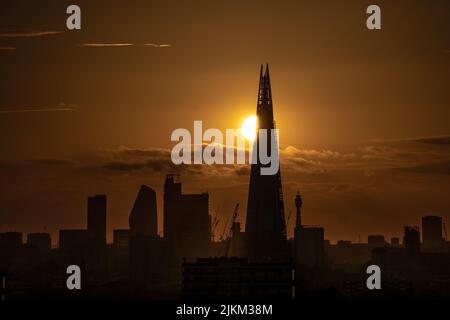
(350, 104)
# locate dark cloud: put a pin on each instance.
(122, 166)
(154, 152)
(441, 140)
(243, 171)
(435, 168)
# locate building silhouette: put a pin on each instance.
(411, 240)
(432, 234)
(145, 247)
(395, 242)
(40, 241)
(265, 223)
(119, 254)
(121, 238)
(143, 219)
(10, 240)
(376, 240)
(96, 232)
(73, 244)
(309, 242)
(187, 222)
(96, 221)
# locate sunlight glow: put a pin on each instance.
(249, 128)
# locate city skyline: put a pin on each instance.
(362, 115)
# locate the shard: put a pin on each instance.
(265, 225)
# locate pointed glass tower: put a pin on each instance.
(265, 225)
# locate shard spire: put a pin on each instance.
(265, 225)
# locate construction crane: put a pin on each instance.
(214, 224)
(288, 218)
(222, 236)
(445, 231)
(230, 230)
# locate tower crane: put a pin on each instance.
(230, 230)
(214, 224)
(445, 231)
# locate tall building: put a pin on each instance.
(309, 243)
(411, 240)
(145, 245)
(96, 232)
(143, 218)
(432, 234)
(265, 226)
(96, 222)
(187, 222)
(310, 247)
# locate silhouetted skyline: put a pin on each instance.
(362, 115)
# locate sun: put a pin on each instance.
(249, 128)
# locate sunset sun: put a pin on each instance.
(249, 128)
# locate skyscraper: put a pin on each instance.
(265, 225)
(432, 234)
(308, 242)
(145, 245)
(143, 218)
(96, 224)
(187, 222)
(96, 236)
(411, 240)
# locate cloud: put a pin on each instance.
(27, 34)
(7, 48)
(158, 160)
(436, 167)
(439, 140)
(155, 45)
(107, 44)
(100, 45)
(60, 107)
(307, 165)
(443, 139)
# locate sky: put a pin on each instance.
(363, 115)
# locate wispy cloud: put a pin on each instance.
(156, 45)
(8, 48)
(27, 34)
(153, 45)
(60, 107)
(107, 44)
